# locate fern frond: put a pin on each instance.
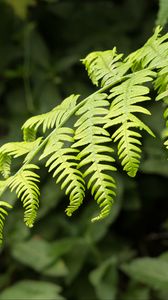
(105, 66)
(3, 214)
(5, 165)
(125, 98)
(29, 134)
(24, 184)
(54, 117)
(94, 154)
(63, 162)
(17, 149)
(154, 53)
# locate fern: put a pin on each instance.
(154, 55)
(24, 183)
(105, 66)
(17, 149)
(91, 136)
(83, 154)
(63, 161)
(52, 118)
(29, 134)
(5, 164)
(124, 100)
(3, 214)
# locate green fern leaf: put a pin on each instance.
(5, 165)
(154, 54)
(105, 66)
(3, 214)
(94, 154)
(63, 161)
(54, 117)
(125, 98)
(29, 134)
(24, 183)
(17, 149)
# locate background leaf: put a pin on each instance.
(20, 7)
(162, 17)
(29, 289)
(150, 271)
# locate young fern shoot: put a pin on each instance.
(81, 157)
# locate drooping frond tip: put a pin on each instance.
(63, 162)
(24, 183)
(5, 165)
(3, 214)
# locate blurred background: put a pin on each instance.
(125, 256)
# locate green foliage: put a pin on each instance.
(5, 165)
(104, 278)
(33, 289)
(39, 66)
(3, 214)
(150, 271)
(53, 118)
(92, 137)
(64, 162)
(85, 146)
(105, 67)
(24, 183)
(125, 96)
(162, 17)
